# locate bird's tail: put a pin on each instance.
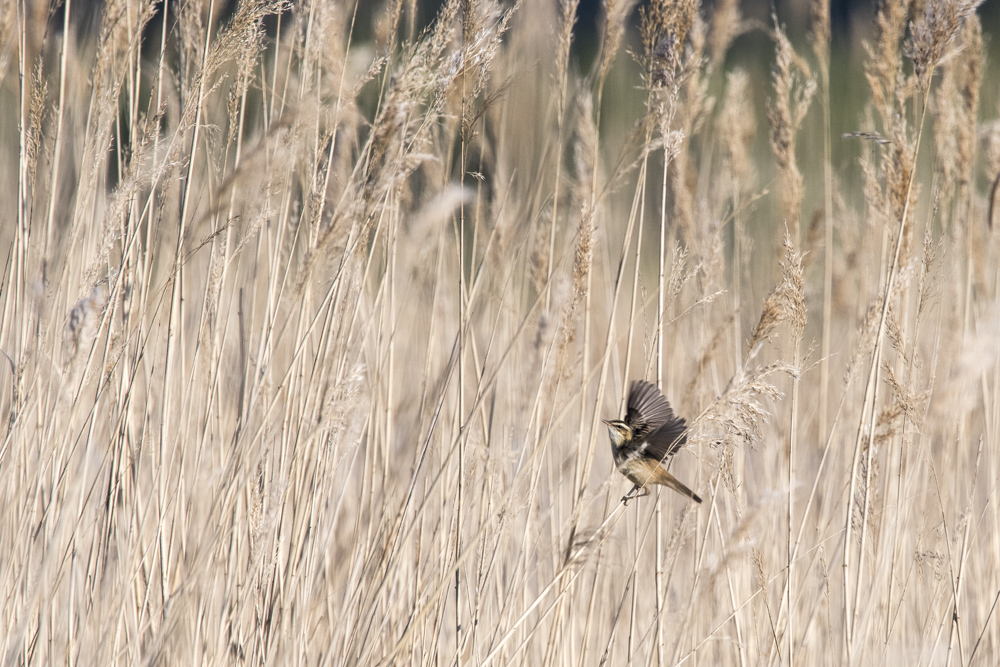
(666, 479)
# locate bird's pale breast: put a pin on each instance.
(640, 470)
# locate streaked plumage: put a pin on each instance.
(649, 434)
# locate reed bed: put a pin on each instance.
(310, 313)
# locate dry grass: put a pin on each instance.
(310, 325)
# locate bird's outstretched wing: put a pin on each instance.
(654, 425)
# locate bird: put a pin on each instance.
(649, 434)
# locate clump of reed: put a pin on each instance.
(311, 315)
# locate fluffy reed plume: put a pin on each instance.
(970, 81)
(616, 12)
(84, 322)
(954, 117)
(933, 32)
(741, 129)
(819, 22)
(583, 255)
(785, 302)
(785, 114)
(726, 25)
(36, 117)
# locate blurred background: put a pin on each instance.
(311, 312)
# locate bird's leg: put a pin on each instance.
(628, 496)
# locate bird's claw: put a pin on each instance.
(629, 496)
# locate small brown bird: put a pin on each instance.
(649, 434)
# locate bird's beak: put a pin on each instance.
(607, 422)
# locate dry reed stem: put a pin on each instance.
(310, 315)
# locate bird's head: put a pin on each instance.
(619, 431)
